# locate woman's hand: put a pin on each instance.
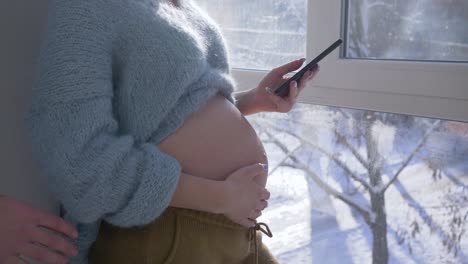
(244, 197)
(262, 98)
(22, 233)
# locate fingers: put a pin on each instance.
(303, 81)
(288, 67)
(247, 222)
(283, 105)
(53, 241)
(264, 194)
(295, 88)
(253, 170)
(309, 75)
(247, 207)
(57, 224)
(261, 205)
(293, 93)
(277, 100)
(251, 220)
(42, 254)
(255, 214)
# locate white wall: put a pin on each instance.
(21, 23)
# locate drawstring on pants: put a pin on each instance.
(253, 235)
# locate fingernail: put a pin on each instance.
(294, 83)
(265, 167)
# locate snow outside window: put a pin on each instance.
(355, 186)
(400, 56)
(357, 175)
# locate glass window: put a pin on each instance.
(434, 30)
(357, 186)
(272, 34)
(346, 183)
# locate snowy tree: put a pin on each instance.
(263, 34)
(364, 142)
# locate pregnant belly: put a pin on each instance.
(215, 141)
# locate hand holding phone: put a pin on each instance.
(283, 90)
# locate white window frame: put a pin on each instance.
(428, 89)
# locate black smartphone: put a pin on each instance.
(283, 90)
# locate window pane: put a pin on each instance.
(339, 178)
(407, 29)
(261, 34)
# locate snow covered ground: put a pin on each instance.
(310, 226)
(319, 229)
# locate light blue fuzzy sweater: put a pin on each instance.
(117, 77)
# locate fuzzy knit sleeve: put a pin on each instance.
(93, 169)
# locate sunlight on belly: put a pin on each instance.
(215, 141)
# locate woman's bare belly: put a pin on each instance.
(215, 141)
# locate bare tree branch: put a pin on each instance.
(365, 212)
(353, 150)
(410, 157)
(288, 155)
(340, 110)
(341, 164)
(332, 157)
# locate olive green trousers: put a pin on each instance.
(182, 236)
